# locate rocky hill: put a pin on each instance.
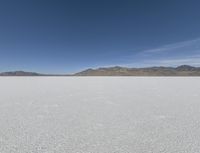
(183, 70)
(20, 73)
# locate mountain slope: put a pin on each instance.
(183, 70)
(20, 73)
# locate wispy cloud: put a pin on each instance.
(195, 61)
(170, 47)
(186, 52)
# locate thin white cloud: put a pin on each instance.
(181, 53)
(174, 46)
(193, 61)
(181, 61)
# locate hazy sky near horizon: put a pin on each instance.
(63, 36)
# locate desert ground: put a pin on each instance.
(99, 114)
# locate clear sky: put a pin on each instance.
(63, 36)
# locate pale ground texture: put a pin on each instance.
(99, 115)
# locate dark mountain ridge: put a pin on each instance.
(183, 70)
(19, 73)
(25, 73)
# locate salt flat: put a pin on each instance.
(99, 114)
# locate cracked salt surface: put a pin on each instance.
(99, 115)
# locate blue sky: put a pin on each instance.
(64, 36)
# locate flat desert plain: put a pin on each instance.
(99, 115)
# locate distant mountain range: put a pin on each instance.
(19, 73)
(183, 70)
(24, 73)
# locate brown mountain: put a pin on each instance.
(19, 73)
(183, 70)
